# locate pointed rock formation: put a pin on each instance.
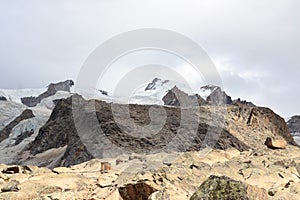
(52, 89)
(176, 97)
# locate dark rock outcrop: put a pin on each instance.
(103, 92)
(152, 85)
(245, 127)
(4, 133)
(242, 102)
(218, 97)
(23, 135)
(294, 125)
(2, 98)
(224, 188)
(52, 89)
(176, 97)
(60, 131)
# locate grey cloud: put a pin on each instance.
(48, 41)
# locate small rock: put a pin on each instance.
(11, 187)
(272, 191)
(12, 170)
(158, 195)
(118, 161)
(247, 161)
(104, 184)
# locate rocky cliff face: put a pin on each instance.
(52, 89)
(253, 124)
(209, 94)
(175, 96)
(218, 97)
(4, 133)
(60, 131)
(245, 127)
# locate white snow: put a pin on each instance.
(9, 111)
(156, 92)
(297, 139)
(205, 91)
(48, 102)
(16, 95)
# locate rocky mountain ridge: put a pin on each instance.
(51, 90)
(244, 127)
(148, 161)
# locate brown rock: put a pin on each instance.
(275, 144)
(138, 191)
(12, 170)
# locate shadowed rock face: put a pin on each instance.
(218, 97)
(4, 133)
(2, 98)
(52, 89)
(23, 135)
(176, 97)
(294, 125)
(60, 131)
(113, 138)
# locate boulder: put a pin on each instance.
(275, 144)
(138, 191)
(225, 188)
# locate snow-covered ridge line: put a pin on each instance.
(15, 95)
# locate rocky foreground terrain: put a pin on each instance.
(209, 174)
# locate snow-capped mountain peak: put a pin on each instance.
(156, 82)
(206, 90)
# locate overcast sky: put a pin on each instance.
(255, 44)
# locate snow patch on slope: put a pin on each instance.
(155, 91)
(16, 95)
